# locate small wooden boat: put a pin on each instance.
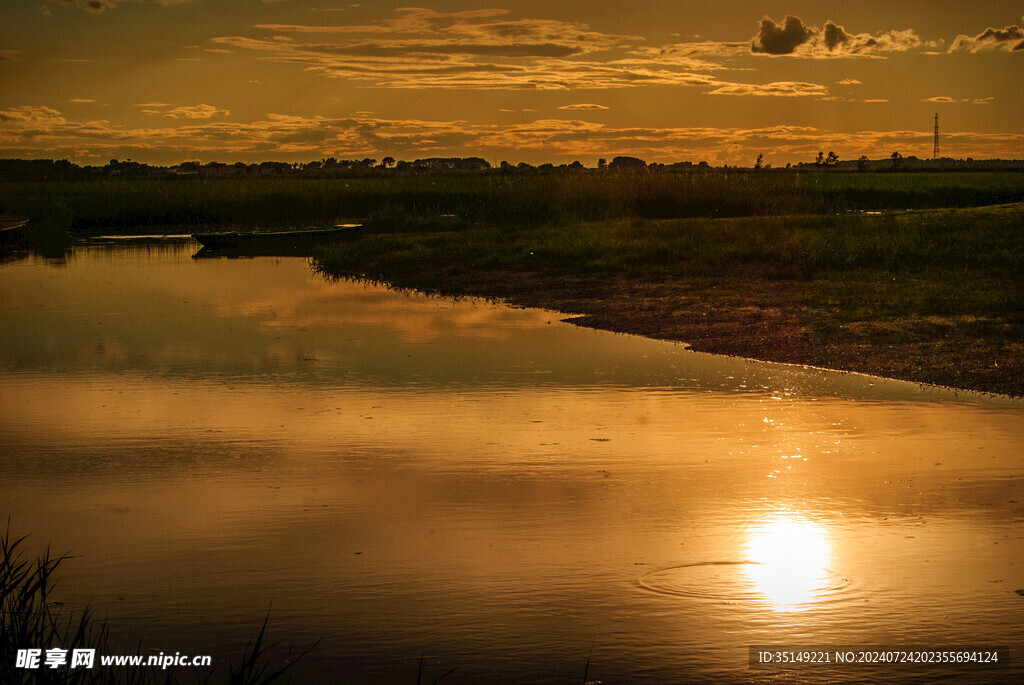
(11, 228)
(262, 240)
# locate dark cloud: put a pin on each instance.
(1008, 38)
(793, 37)
(774, 39)
(834, 36)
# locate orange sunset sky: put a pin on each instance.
(163, 81)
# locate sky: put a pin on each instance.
(165, 81)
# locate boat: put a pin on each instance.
(11, 228)
(276, 240)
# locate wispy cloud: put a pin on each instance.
(412, 65)
(583, 106)
(423, 48)
(1009, 38)
(778, 88)
(27, 116)
(43, 131)
(944, 99)
(81, 100)
(488, 49)
(195, 112)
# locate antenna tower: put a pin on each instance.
(935, 150)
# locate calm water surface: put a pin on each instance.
(495, 490)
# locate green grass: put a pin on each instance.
(418, 202)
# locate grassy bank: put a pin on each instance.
(932, 296)
(413, 202)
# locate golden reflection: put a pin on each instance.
(790, 557)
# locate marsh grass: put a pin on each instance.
(31, 618)
(951, 276)
(418, 203)
(939, 242)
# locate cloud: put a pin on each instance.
(943, 99)
(773, 39)
(583, 106)
(474, 32)
(10, 55)
(420, 64)
(849, 82)
(795, 38)
(29, 116)
(81, 100)
(1008, 38)
(195, 112)
(696, 50)
(489, 50)
(480, 49)
(32, 131)
(778, 88)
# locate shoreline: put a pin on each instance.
(763, 320)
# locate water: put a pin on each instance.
(497, 491)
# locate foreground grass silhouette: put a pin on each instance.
(31, 619)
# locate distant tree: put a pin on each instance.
(832, 159)
(387, 162)
(703, 166)
(862, 163)
(759, 164)
(820, 159)
(897, 158)
(602, 164)
(631, 164)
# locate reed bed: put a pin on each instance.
(425, 202)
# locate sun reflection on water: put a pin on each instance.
(789, 561)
